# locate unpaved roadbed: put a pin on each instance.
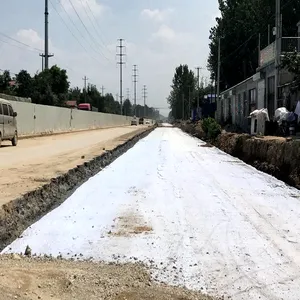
(20, 213)
(194, 215)
(28, 278)
(35, 161)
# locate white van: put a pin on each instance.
(8, 123)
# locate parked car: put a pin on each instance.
(141, 121)
(8, 123)
(147, 122)
(134, 121)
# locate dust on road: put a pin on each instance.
(29, 278)
(35, 161)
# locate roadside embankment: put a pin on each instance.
(17, 215)
(273, 155)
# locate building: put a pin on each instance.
(258, 91)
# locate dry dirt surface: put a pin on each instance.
(53, 279)
(35, 161)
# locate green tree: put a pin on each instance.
(50, 87)
(75, 94)
(238, 27)
(24, 84)
(5, 79)
(127, 108)
(183, 93)
(291, 62)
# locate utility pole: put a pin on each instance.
(121, 62)
(135, 75)
(269, 34)
(144, 96)
(259, 47)
(277, 51)
(189, 100)
(219, 69)
(102, 91)
(46, 54)
(182, 106)
(198, 79)
(85, 79)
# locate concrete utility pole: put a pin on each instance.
(219, 69)
(198, 79)
(102, 91)
(135, 76)
(189, 100)
(277, 51)
(85, 79)
(121, 62)
(259, 47)
(144, 96)
(46, 55)
(182, 106)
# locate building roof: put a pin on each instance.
(72, 103)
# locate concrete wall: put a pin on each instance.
(35, 119)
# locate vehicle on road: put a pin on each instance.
(134, 121)
(141, 121)
(147, 122)
(8, 123)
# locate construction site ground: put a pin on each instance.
(36, 160)
(54, 279)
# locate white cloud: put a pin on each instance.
(164, 33)
(82, 5)
(156, 14)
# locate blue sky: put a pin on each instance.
(159, 35)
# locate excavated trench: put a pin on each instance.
(20, 213)
(275, 156)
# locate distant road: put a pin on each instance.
(198, 217)
(35, 161)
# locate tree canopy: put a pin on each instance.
(51, 87)
(239, 26)
(184, 92)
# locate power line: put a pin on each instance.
(95, 27)
(80, 33)
(121, 62)
(67, 26)
(98, 25)
(85, 10)
(19, 42)
(29, 48)
(86, 29)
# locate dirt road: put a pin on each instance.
(46, 279)
(35, 161)
(194, 215)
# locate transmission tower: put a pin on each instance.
(144, 97)
(134, 80)
(121, 62)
